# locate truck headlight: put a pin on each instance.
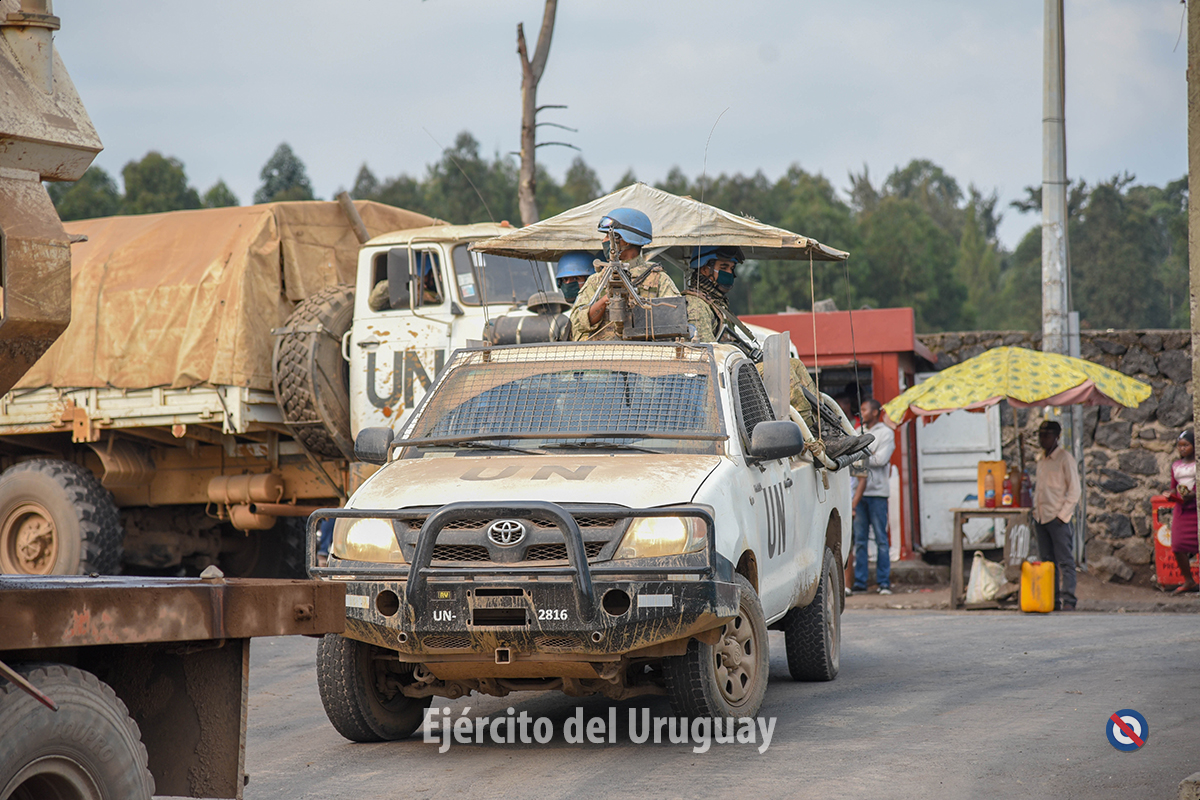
(366, 540)
(648, 537)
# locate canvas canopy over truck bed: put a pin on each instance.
(161, 407)
(189, 298)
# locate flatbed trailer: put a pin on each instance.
(174, 655)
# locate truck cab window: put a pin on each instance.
(498, 279)
(429, 274)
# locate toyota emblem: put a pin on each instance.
(506, 532)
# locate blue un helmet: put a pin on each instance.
(630, 224)
(705, 255)
(575, 264)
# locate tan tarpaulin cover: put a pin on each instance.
(678, 222)
(190, 297)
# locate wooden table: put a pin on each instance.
(1013, 516)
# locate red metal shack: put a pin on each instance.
(883, 344)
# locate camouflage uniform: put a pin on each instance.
(712, 319)
(646, 276)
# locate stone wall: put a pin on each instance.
(1127, 452)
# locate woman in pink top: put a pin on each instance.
(1183, 520)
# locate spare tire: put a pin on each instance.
(312, 380)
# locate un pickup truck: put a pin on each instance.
(620, 518)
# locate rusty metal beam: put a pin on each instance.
(77, 611)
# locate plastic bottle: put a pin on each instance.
(989, 490)
(1026, 490)
(1006, 492)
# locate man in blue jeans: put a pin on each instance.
(872, 510)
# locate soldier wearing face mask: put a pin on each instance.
(712, 272)
(573, 270)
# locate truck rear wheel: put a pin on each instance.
(359, 688)
(275, 553)
(813, 634)
(312, 380)
(88, 750)
(729, 678)
(56, 519)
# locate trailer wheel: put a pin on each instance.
(312, 380)
(359, 688)
(56, 519)
(813, 634)
(87, 750)
(729, 678)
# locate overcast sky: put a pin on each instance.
(832, 86)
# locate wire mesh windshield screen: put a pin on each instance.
(614, 392)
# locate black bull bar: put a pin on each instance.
(417, 573)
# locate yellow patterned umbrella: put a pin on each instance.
(1024, 378)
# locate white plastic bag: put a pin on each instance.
(986, 579)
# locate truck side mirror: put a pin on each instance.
(399, 275)
(776, 439)
(371, 445)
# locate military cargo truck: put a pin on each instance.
(204, 398)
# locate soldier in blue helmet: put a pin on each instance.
(712, 273)
(572, 272)
(626, 231)
(379, 300)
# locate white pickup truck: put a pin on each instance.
(621, 518)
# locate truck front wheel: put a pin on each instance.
(813, 634)
(360, 689)
(88, 749)
(729, 678)
(56, 519)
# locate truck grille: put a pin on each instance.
(461, 552)
(558, 552)
(465, 541)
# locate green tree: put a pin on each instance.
(978, 269)
(283, 178)
(463, 187)
(581, 184)
(157, 183)
(93, 195)
(1128, 257)
(366, 185)
(909, 261)
(932, 189)
(220, 195)
(628, 179)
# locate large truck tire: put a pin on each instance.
(312, 380)
(56, 519)
(351, 677)
(812, 635)
(729, 678)
(87, 750)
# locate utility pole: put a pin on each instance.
(1060, 329)
(1054, 185)
(1193, 99)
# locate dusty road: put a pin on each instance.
(928, 704)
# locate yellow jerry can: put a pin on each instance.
(1037, 586)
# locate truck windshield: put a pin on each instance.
(498, 279)
(556, 394)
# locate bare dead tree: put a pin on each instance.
(531, 74)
